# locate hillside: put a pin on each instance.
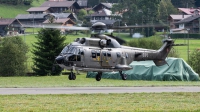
(11, 11)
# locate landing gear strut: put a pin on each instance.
(98, 76)
(124, 76)
(72, 76)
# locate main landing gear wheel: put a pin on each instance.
(72, 76)
(98, 76)
(124, 76)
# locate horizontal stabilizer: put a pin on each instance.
(159, 62)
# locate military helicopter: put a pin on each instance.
(103, 53)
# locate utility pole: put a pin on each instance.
(199, 25)
(33, 22)
(188, 44)
(148, 22)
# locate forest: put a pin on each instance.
(176, 3)
(91, 3)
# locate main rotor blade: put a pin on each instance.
(137, 26)
(57, 27)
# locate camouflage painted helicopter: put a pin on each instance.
(103, 53)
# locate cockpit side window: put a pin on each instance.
(80, 52)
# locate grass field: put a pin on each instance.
(11, 11)
(102, 102)
(82, 81)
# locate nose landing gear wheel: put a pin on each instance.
(98, 76)
(72, 76)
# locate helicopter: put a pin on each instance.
(103, 53)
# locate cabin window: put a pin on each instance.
(94, 54)
(118, 54)
(104, 53)
(98, 53)
(108, 54)
(126, 55)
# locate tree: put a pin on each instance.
(81, 14)
(49, 44)
(165, 9)
(183, 3)
(197, 3)
(136, 12)
(92, 3)
(13, 57)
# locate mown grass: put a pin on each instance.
(101, 102)
(183, 50)
(11, 11)
(82, 81)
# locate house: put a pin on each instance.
(72, 16)
(10, 26)
(188, 11)
(39, 10)
(38, 19)
(191, 24)
(60, 22)
(104, 16)
(82, 3)
(61, 6)
(32, 19)
(102, 6)
(175, 18)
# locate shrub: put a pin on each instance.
(194, 61)
(13, 57)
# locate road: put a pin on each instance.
(94, 90)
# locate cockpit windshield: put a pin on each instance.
(70, 50)
(64, 51)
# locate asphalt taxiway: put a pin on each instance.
(95, 90)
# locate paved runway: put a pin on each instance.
(94, 90)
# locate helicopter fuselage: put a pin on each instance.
(105, 55)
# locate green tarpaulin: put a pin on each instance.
(176, 70)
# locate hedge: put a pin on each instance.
(185, 35)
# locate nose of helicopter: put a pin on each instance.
(59, 59)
